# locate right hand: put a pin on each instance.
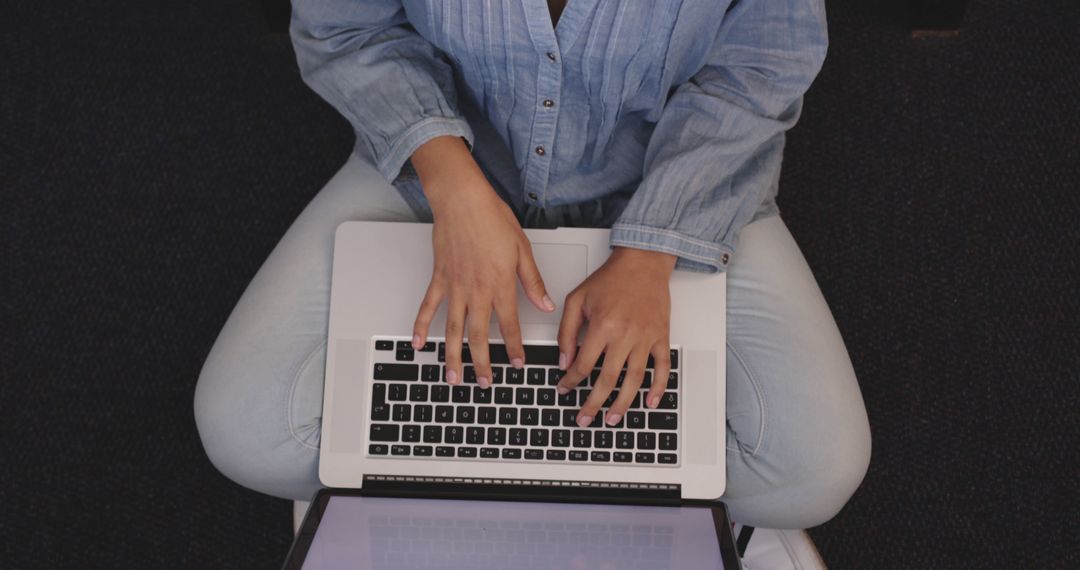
(480, 252)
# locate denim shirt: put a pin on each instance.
(662, 119)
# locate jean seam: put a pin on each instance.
(763, 407)
(292, 393)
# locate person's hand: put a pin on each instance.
(627, 304)
(480, 253)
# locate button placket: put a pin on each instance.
(549, 82)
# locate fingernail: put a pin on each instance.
(562, 361)
(517, 363)
(416, 341)
(584, 421)
(548, 303)
(562, 391)
(613, 419)
(654, 401)
(451, 377)
(483, 382)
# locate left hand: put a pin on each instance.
(627, 303)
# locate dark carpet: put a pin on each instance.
(153, 153)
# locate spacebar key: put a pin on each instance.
(542, 354)
(397, 371)
(384, 432)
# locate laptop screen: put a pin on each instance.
(409, 533)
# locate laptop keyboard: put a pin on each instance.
(415, 413)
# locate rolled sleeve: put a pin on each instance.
(715, 152)
(395, 89)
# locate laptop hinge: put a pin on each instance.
(522, 489)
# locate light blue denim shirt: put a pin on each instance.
(662, 119)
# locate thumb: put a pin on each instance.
(532, 283)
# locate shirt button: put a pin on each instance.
(540, 150)
(551, 56)
(549, 103)
(532, 196)
(724, 259)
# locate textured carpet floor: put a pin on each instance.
(152, 154)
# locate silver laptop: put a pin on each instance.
(388, 415)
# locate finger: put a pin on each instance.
(479, 316)
(507, 313)
(428, 307)
(661, 353)
(531, 281)
(455, 325)
(584, 361)
(614, 358)
(569, 326)
(635, 372)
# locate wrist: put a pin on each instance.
(643, 259)
(446, 167)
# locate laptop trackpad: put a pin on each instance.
(563, 267)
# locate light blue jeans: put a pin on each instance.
(798, 441)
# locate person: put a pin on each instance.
(664, 121)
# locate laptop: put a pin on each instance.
(390, 419)
(367, 528)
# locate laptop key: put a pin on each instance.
(380, 412)
(569, 418)
(508, 416)
(404, 345)
(546, 396)
(556, 455)
(461, 394)
(519, 437)
(646, 381)
(405, 372)
(535, 376)
(378, 393)
(515, 376)
(442, 352)
(602, 439)
(560, 438)
(525, 396)
(474, 435)
(669, 458)
(469, 376)
(406, 355)
(383, 432)
(487, 415)
(622, 457)
(496, 436)
(429, 373)
(510, 453)
(582, 438)
(399, 450)
(549, 417)
(429, 346)
(669, 441)
(481, 395)
(397, 392)
(418, 393)
(402, 412)
(542, 355)
(489, 452)
(444, 414)
(432, 434)
(410, 433)
(673, 380)
(422, 413)
(554, 376)
(646, 440)
(504, 395)
(635, 420)
(569, 399)
(538, 437)
(466, 452)
(663, 420)
(669, 401)
(440, 393)
(624, 440)
(600, 456)
(444, 451)
(644, 457)
(496, 374)
(384, 345)
(378, 449)
(454, 434)
(530, 416)
(579, 455)
(422, 450)
(466, 414)
(534, 454)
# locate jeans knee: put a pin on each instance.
(244, 430)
